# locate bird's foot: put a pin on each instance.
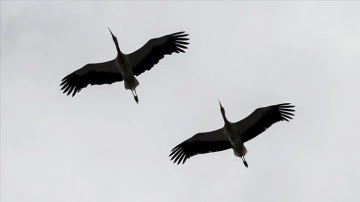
(136, 99)
(245, 163)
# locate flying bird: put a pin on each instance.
(232, 135)
(125, 66)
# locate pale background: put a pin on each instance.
(102, 146)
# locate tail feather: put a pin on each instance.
(240, 152)
(131, 84)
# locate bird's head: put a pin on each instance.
(115, 41)
(114, 37)
(221, 108)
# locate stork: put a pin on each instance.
(125, 66)
(232, 135)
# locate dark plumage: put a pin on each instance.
(245, 130)
(125, 66)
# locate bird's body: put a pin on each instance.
(232, 135)
(125, 66)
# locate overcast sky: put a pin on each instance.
(102, 146)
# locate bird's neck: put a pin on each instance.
(117, 47)
(120, 54)
(224, 118)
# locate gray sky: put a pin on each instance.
(102, 146)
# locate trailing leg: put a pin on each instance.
(244, 161)
(135, 96)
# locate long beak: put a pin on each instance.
(111, 32)
(220, 103)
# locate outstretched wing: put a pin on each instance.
(93, 74)
(200, 143)
(262, 118)
(155, 49)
